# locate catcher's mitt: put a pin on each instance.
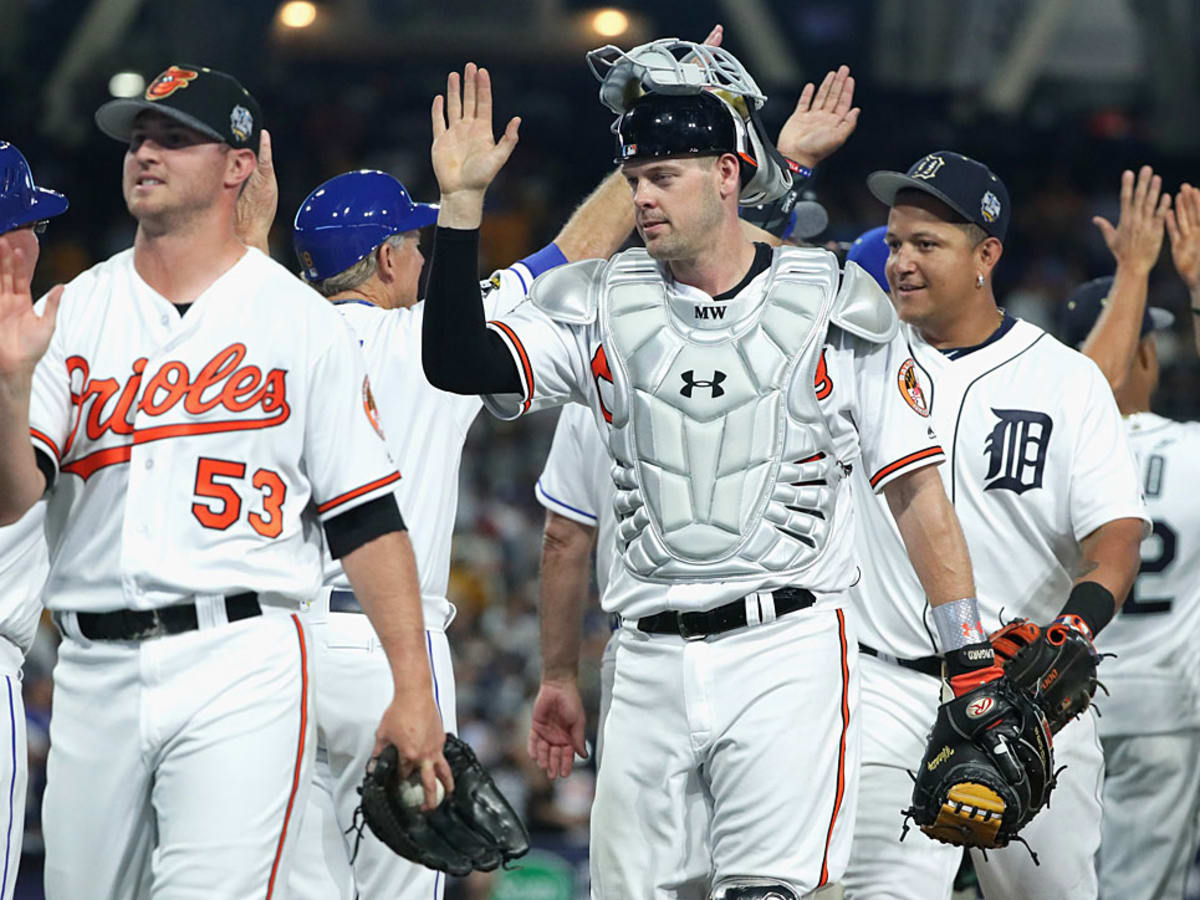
(1056, 664)
(473, 827)
(988, 768)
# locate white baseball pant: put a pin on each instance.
(354, 686)
(179, 766)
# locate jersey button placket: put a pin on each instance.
(697, 659)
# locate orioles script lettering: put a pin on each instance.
(106, 406)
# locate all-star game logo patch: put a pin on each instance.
(369, 406)
(910, 388)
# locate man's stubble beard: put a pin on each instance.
(690, 244)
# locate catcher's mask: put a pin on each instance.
(680, 98)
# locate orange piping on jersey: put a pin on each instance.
(841, 774)
(358, 492)
(299, 754)
(49, 443)
(818, 455)
(516, 341)
(887, 470)
(86, 466)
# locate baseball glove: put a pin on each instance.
(988, 768)
(473, 827)
(1056, 664)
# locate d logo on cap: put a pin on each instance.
(928, 167)
(169, 82)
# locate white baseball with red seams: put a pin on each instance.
(195, 458)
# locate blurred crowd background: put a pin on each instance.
(1056, 96)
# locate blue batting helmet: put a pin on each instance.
(870, 252)
(347, 217)
(21, 201)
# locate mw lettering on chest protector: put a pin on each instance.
(224, 394)
(724, 463)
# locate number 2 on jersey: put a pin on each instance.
(226, 504)
(1157, 563)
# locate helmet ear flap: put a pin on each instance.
(771, 179)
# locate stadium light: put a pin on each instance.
(126, 84)
(297, 14)
(610, 22)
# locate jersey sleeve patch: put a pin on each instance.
(910, 387)
(369, 406)
(913, 460)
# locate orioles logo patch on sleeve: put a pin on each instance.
(369, 406)
(910, 388)
(169, 82)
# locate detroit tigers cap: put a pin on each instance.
(870, 252)
(968, 187)
(212, 102)
(1086, 302)
(21, 201)
(343, 220)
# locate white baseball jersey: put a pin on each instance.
(424, 427)
(856, 383)
(191, 452)
(577, 483)
(23, 567)
(1154, 680)
(1038, 459)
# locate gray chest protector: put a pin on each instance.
(725, 468)
(724, 464)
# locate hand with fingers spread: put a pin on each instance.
(256, 205)
(418, 736)
(823, 119)
(466, 156)
(556, 734)
(1183, 226)
(24, 335)
(1137, 239)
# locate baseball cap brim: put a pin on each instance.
(47, 204)
(115, 118)
(422, 214)
(886, 185)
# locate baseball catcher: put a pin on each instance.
(989, 765)
(473, 827)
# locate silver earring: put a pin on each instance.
(978, 279)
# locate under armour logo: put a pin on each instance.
(1017, 448)
(690, 382)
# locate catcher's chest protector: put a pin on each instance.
(724, 463)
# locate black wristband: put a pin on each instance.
(969, 658)
(1092, 602)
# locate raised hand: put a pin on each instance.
(1137, 239)
(24, 335)
(556, 733)
(465, 155)
(1183, 226)
(259, 200)
(823, 119)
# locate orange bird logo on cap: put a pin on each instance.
(169, 82)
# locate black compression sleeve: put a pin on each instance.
(348, 531)
(46, 464)
(458, 351)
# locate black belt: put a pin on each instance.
(690, 625)
(926, 665)
(140, 624)
(344, 601)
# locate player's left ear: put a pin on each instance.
(987, 254)
(239, 166)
